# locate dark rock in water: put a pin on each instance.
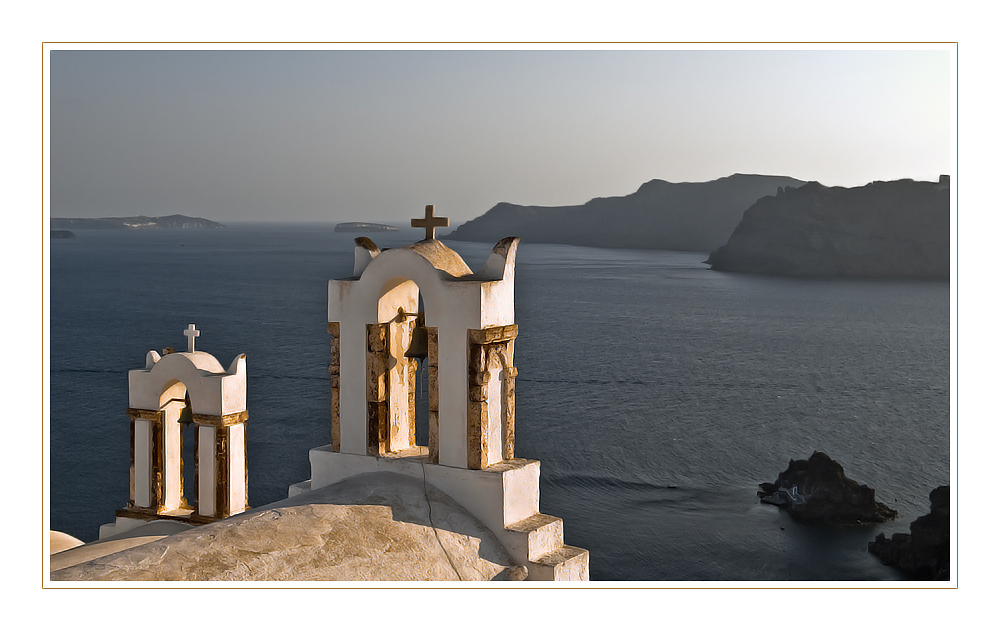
(816, 490)
(61, 234)
(924, 553)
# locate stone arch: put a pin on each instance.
(391, 386)
(394, 269)
(167, 450)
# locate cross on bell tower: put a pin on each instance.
(190, 333)
(429, 222)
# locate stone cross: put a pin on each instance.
(429, 222)
(191, 333)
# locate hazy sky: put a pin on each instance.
(352, 135)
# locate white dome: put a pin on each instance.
(370, 527)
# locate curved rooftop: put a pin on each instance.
(200, 360)
(441, 257)
(379, 526)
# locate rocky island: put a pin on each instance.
(363, 226)
(817, 491)
(687, 216)
(925, 552)
(127, 223)
(898, 229)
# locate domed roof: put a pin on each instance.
(441, 257)
(379, 526)
(199, 359)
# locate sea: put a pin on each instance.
(656, 393)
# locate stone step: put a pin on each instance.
(536, 536)
(567, 563)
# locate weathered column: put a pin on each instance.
(222, 466)
(400, 386)
(478, 407)
(433, 401)
(508, 412)
(144, 425)
(490, 428)
(377, 405)
(334, 368)
(205, 465)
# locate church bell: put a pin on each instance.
(418, 343)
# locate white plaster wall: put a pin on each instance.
(329, 467)
(453, 396)
(498, 496)
(206, 470)
(237, 468)
(520, 490)
(212, 389)
(172, 490)
(497, 303)
(403, 295)
(494, 434)
(353, 372)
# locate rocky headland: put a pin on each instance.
(688, 216)
(925, 552)
(817, 491)
(131, 223)
(898, 229)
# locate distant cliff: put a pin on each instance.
(124, 223)
(884, 229)
(690, 216)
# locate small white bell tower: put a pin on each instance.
(158, 396)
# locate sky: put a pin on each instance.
(355, 135)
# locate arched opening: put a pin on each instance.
(421, 399)
(189, 455)
(173, 460)
(402, 353)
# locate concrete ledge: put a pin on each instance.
(568, 563)
(536, 536)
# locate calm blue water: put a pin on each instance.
(638, 371)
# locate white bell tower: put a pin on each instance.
(468, 324)
(158, 395)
